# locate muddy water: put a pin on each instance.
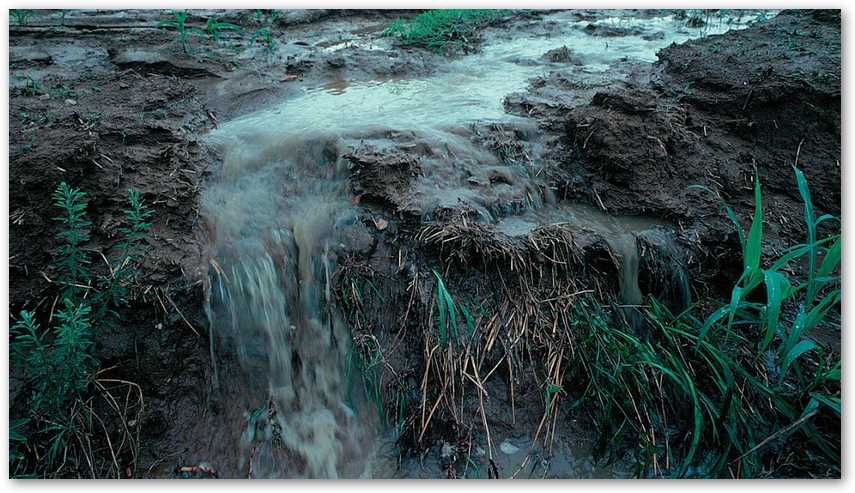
(280, 204)
(618, 231)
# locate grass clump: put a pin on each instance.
(21, 17)
(443, 28)
(726, 395)
(58, 363)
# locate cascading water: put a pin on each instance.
(625, 245)
(274, 217)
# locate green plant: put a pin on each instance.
(58, 363)
(71, 258)
(21, 16)
(267, 40)
(215, 28)
(269, 16)
(366, 360)
(37, 118)
(812, 308)
(57, 368)
(442, 28)
(447, 319)
(63, 91)
(17, 441)
(760, 17)
(709, 397)
(179, 23)
(113, 287)
(33, 88)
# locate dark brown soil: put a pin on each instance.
(119, 105)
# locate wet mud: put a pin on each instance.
(319, 201)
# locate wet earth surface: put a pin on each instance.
(310, 192)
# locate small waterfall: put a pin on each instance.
(274, 215)
(625, 245)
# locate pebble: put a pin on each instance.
(508, 448)
(447, 450)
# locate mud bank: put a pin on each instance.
(344, 280)
(704, 116)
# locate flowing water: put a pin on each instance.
(280, 204)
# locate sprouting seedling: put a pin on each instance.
(551, 390)
(267, 39)
(179, 23)
(21, 16)
(215, 28)
(270, 15)
(759, 17)
(33, 88)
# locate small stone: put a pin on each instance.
(447, 450)
(508, 448)
(380, 223)
(336, 62)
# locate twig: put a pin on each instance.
(169, 299)
(777, 433)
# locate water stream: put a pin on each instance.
(280, 202)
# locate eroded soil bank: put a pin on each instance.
(366, 259)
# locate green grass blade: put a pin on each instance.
(818, 313)
(712, 320)
(832, 403)
(777, 290)
(755, 234)
(831, 260)
(811, 231)
(797, 350)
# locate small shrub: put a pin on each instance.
(58, 364)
